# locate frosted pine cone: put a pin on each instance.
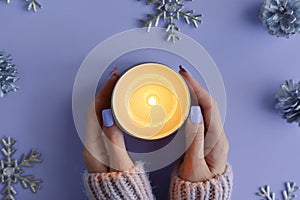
(289, 101)
(281, 17)
(8, 74)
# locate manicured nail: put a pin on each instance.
(107, 117)
(181, 68)
(196, 115)
(113, 72)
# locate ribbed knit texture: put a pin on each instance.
(217, 188)
(132, 184)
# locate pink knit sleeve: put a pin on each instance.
(132, 184)
(217, 188)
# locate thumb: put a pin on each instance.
(194, 132)
(119, 159)
(112, 131)
(94, 153)
(194, 167)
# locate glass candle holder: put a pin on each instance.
(150, 101)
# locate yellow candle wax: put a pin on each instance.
(150, 101)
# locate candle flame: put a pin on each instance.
(152, 101)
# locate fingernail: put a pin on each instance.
(181, 68)
(112, 73)
(196, 115)
(107, 117)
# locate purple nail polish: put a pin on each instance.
(181, 68)
(196, 115)
(112, 73)
(107, 117)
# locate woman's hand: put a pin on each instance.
(104, 152)
(208, 151)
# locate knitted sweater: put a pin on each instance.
(134, 185)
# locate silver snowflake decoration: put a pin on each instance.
(288, 194)
(8, 74)
(31, 5)
(12, 169)
(265, 192)
(170, 11)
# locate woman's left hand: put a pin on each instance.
(104, 152)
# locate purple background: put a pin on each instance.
(48, 48)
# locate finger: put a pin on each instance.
(215, 132)
(217, 158)
(194, 130)
(119, 159)
(194, 167)
(103, 97)
(112, 132)
(203, 98)
(94, 153)
(93, 129)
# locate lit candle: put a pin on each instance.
(150, 101)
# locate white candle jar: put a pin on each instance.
(150, 101)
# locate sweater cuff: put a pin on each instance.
(130, 184)
(217, 188)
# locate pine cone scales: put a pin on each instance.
(281, 17)
(8, 74)
(289, 101)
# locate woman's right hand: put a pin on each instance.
(208, 151)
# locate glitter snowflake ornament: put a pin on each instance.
(31, 5)
(288, 193)
(289, 101)
(266, 192)
(281, 17)
(12, 170)
(8, 74)
(170, 11)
